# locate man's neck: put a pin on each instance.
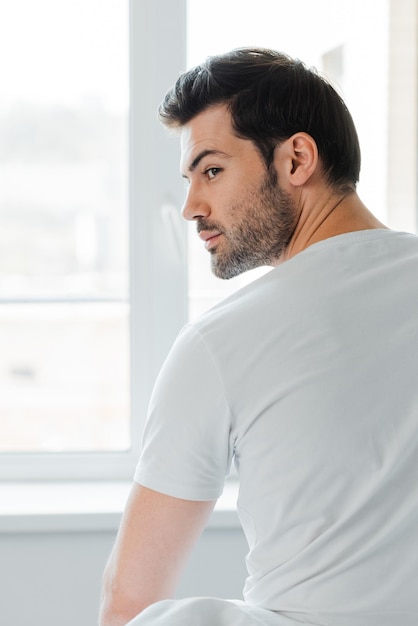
(331, 215)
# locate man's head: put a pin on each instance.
(270, 97)
(242, 213)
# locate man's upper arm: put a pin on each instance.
(155, 538)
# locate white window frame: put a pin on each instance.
(158, 274)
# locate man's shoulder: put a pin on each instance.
(229, 310)
(316, 274)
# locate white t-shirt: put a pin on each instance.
(308, 378)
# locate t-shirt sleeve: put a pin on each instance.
(186, 448)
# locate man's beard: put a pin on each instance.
(267, 220)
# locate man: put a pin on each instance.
(306, 378)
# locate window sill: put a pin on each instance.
(82, 507)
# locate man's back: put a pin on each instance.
(307, 377)
(310, 380)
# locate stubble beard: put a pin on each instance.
(267, 222)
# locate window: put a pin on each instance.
(83, 336)
(98, 272)
(64, 312)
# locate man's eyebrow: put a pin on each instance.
(201, 156)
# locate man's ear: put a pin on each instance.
(296, 159)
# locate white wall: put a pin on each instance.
(54, 578)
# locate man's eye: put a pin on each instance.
(211, 172)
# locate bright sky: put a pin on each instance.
(64, 51)
(302, 28)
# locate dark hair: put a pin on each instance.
(271, 97)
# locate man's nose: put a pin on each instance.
(194, 206)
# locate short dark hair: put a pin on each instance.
(271, 97)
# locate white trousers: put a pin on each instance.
(208, 612)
